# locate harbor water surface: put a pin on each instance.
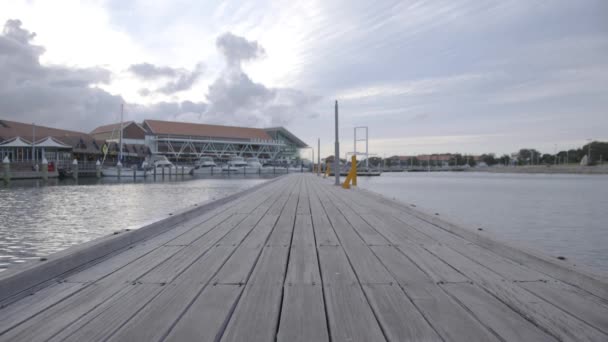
(555, 214)
(37, 220)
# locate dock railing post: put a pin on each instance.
(45, 168)
(337, 150)
(119, 168)
(75, 169)
(98, 169)
(6, 163)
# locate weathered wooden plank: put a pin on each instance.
(324, 233)
(205, 318)
(448, 318)
(156, 318)
(399, 318)
(257, 312)
(303, 265)
(281, 235)
(303, 314)
(349, 315)
(55, 318)
(51, 321)
(368, 268)
(31, 305)
(509, 325)
(364, 230)
(112, 264)
(578, 303)
(100, 323)
(303, 202)
(438, 270)
(240, 265)
(553, 320)
(133, 271)
(503, 266)
(200, 230)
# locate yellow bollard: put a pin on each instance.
(352, 174)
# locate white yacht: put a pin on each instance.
(293, 168)
(235, 164)
(254, 166)
(126, 172)
(161, 162)
(206, 166)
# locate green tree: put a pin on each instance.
(505, 159)
(489, 159)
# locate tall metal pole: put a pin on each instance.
(121, 128)
(33, 143)
(318, 156)
(337, 150)
(366, 148)
(313, 160)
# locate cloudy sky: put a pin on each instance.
(462, 76)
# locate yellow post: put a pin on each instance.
(353, 169)
(326, 170)
(352, 174)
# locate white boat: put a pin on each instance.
(293, 169)
(235, 164)
(125, 172)
(161, 163)
(254, 166)
(206, 166)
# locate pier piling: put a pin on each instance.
(75, 169)
(98, 169)
(6, 163)
(45, 169)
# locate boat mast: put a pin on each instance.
(120, 141)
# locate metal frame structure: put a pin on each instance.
(366, 154)
(190, 147)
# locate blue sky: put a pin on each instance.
(425, 76)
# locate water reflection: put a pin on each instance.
(38, 217)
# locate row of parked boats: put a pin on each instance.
(160, 165)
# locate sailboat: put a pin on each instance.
(118, 171)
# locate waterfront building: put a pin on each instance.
(188, 142)
(26, 144)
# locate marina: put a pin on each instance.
(299, 259)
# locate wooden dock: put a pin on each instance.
(299, 259)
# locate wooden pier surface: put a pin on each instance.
(302, 260)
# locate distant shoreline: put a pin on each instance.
(550, 169)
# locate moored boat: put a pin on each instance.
(206, 166)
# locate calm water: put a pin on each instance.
(563, 215)
(39, 220)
